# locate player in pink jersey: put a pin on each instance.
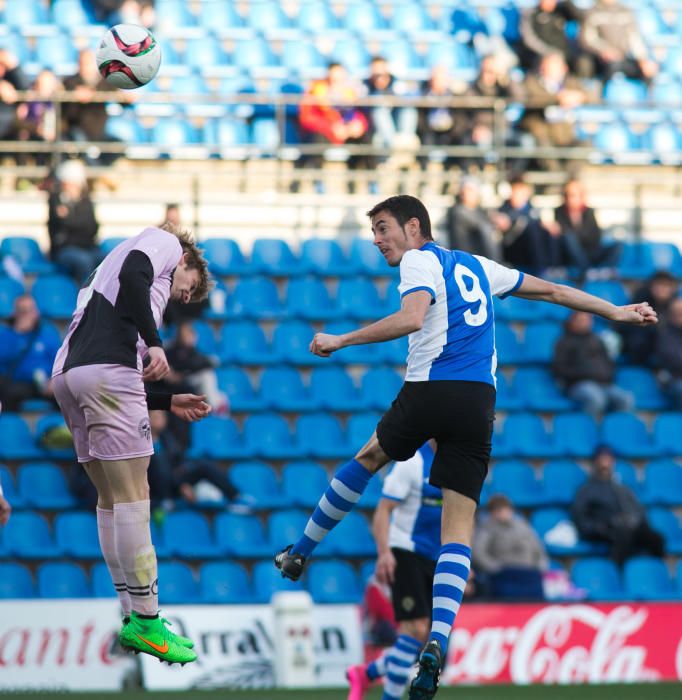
(98, 380)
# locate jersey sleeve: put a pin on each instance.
(398, 482)
(418, 271)
(162, 248)
(503, 280)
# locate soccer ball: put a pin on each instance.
(128, 56)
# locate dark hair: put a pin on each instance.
(333, 64)
(498, 500)
(518, 179)
(404, 207)
(376, 58)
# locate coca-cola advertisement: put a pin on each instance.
(576, 643)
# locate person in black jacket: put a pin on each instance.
(606, 511)
(669, 353)
(12, 78)
(582, 364)
(71, 223)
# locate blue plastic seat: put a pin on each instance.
(576, 434)
(225, 257)
(292, 340)
(518, 309)
(267, 15)
(69, 14)
(626, 474)
(108, 244)
(395, 351)
(544, 520)
(173, 14)
(224, 583)
(611, 290)
(49, 422)
(360, 428)
(647, 578)
(268, 436)
(300, 57)
(219, 438)
(303, 483)
(380, 386)
(235, 382)
(509, 349)
(308, 298)
(352, 536)
(453, 54)
(62, 580)
(16, 440)
(367, 258)
(325, 257)
(253, 53)
(17, 501)
(334, 582)
(27, 253)
(27, 536)
(321, 436)
(230, 134)
(561, 479)
(126, 129)
(177, 583)
(282, 389)
(641, 260)
(102, 585)
(286, 526)
(529, 437)
(539, 390)
(55, 296)
(363, 17)
(267, 581)
(57, 51)
(273, 257)
(372, 494)
(401, 57)
(627, 436)
(518, 482)
(673, 61)
(664, 140)
(667, 431)
(265, 134)
(204, 52)
(334, 390)
(508, 398)
(172, 132)
(668, 524)
(189, 536)
(621, 92)
(358, 298)
(316, 17)
(241, 535)
(76, 534)
(352, 53)
(614, 140)
(600, 577)
(538, 342)
(642, 383)
(259, 482)
(244, 343)
(411, 18)
(663, 483)
(371, 354)
(10, 289)
(23, 14)
(15, 581)
(216, 16)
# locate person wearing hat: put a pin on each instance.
(604, 510)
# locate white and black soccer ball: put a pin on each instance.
(128, 56)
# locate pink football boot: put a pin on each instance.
(358, 681)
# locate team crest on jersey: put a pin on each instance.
(407, 603)
(145, 429)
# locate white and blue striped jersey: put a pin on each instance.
(457, 339)
(415, 521)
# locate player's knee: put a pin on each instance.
(417, 629)
(371, 456)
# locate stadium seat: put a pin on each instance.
(641, 260)
(549, 522)
(303, 483)
(352, 536)
(518, 310)
(58, 52)
(600, 577)
(224, 583)
(259, 482)
(371, 354)
(576, 434)
(334, 390)
(24, 15)
(539, 390)
(626, 474)
(292, 341)
(561, 479)
(627, 436)
(320, 436)
(189, 536)
(614, 140)
(508, 398)
(372, 494)
(273, 257)
(16, 441)
(668, 524)
(15, 581)
(647, 578)
(268, 436)
(62, 580)
(352, 53)
(380, 386)
(309, 299)
(225, 257)
(203, 53)
(622, 92)
(518, 482)
(9, 489)
(27, 536)
(411, 18)
(177, 583)
(368, 260)
(76, 534)
(265, 15)
(402, 57)
(358, 298)
(70, 14)
(219, 16)
(539, 341)
(509, 349)
(286, 526)
(243, 342)
(316, 17)
(325, 257)
(217, 302)
(302, 57)
(360, 428)
(667, 431)
(502, 446)
(27, 253)
(663, 483)
(102, 585)
(267, 581)
(282, 389)
(172, 15)
(170, 133)
(10, 289)
(241, 536)
(108, 244)
(253, 53)
(664, 140)
(62, 448)
(265, 135)
(611, 290)
(363, 17)
(334, 582)
(643, 385)
(235, 382)
(218, 438)
(55, 296)
(395, 352)
(528, 436)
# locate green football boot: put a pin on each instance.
(153, 637)
(185, 641)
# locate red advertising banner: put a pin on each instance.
(572, 643)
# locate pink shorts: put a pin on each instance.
(105, 408)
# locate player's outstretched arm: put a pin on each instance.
(538, 289)
(386, 563)
(410, 318)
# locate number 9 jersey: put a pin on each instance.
(457, 338)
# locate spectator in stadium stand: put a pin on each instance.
(27, 351)
(390, 127)
(442, 125)
(526, 242)
(508, 554)
(611, 35)
(669, 353)
(606, 511)
(551, 93)
(660, 291)
(469, 227)
(328, 115)
(581, 232)
(172, 214)
(12, 79)
(72, 224)
(543, 31)
(583, 366)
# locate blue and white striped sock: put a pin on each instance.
(377, 668)
(449, 581)
(399, 661)
(338, 500)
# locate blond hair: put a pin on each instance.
(194, 259)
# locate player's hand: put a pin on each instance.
(637, 314)
(5, 510)
(158, 365)
(385, 569)
(324, 344)
(189, 407)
